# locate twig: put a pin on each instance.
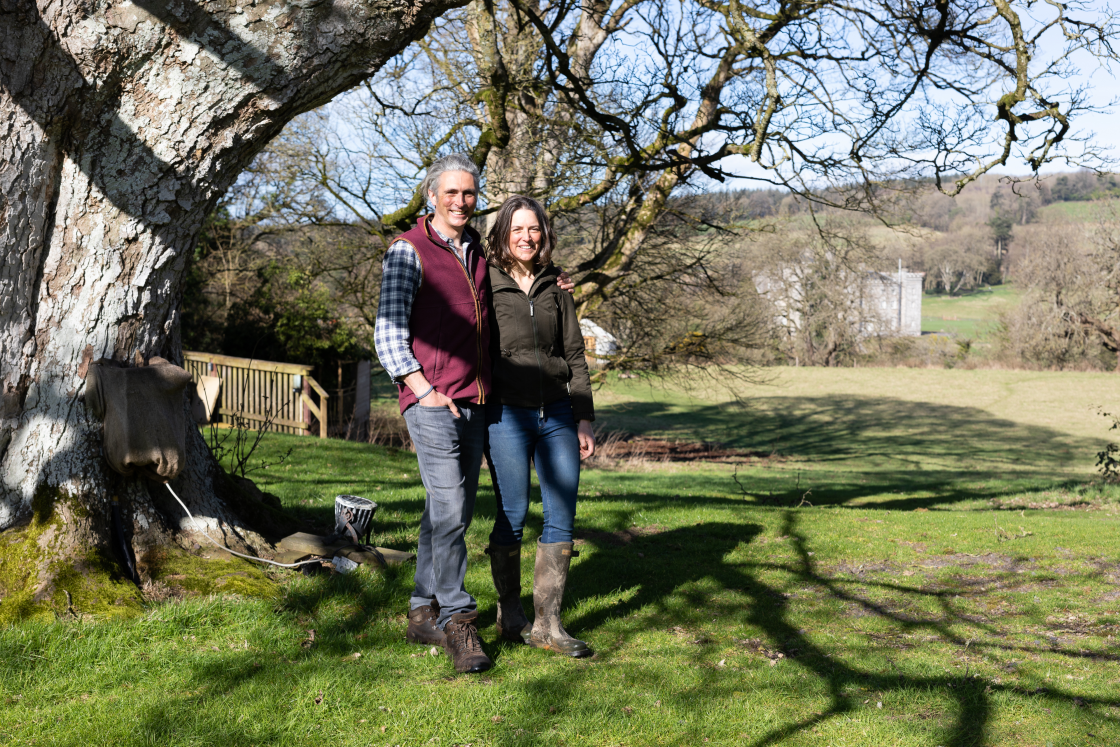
(735, 477)
(1002, 535)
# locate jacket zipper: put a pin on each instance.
(477, 325)
(537, 350)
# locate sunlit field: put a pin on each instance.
(881, 557)
(974, 314)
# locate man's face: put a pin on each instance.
(456, 200)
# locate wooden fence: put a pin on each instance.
(275, 396)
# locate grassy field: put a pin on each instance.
(972, 314)
(907, 557)
(890, 421)
(1078, 212)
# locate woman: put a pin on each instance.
(541, 391)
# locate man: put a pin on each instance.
(433, 337)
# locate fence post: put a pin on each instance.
(361, 399)
(341, 415)
(306, 409)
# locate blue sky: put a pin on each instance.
(1104, 125)
(1102, 128)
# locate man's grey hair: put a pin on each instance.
(453, 162)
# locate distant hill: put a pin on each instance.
(740, 205)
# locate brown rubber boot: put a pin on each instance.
(550, 576)
(422, 626)
(505, 567)
(462, 644)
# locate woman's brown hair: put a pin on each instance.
(497, 243)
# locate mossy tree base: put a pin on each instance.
(41, 577)
(95, 587)
(68, 560)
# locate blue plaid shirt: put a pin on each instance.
(400, 279)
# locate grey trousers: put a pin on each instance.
(449, 450)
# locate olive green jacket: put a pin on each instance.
(537, 346)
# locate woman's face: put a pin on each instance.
(525, 237)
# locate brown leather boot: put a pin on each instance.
(505, 567)
(550, 576)
(462, 644)
(422, 626)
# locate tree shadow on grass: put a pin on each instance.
(881, 431)
(684, 568)
(327, 619)
(892, 491)
(679, 562)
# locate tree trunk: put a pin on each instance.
(123, 124)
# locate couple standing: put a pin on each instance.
(451, 320)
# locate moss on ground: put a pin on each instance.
(202, 576)
(21, 557)
(91, 584)
(88, 584)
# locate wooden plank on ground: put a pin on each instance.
(392, 557)
(289, 556)
(313, 544)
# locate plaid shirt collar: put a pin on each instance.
(465, 241)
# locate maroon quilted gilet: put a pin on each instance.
(450, 320)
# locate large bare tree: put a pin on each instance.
(123, 122)
(628, 101)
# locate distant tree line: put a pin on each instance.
(278, 275)
(1084, 185)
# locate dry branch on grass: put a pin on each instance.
(621, 450)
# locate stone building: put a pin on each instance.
(892, 303)
(879, 304)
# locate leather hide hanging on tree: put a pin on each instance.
(143, 416)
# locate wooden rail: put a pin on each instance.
(276, 396)
(321, 410)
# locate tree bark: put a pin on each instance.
(122, 125)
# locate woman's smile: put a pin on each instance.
(525, 239)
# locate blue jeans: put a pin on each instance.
(449, 451)
(516, 436)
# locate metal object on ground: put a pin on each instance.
(353, 517)
(343, 565)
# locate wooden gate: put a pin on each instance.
(269, 395)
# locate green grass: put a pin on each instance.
(1079, 212)
(973, 314)
(885, 547)
(898, 421)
